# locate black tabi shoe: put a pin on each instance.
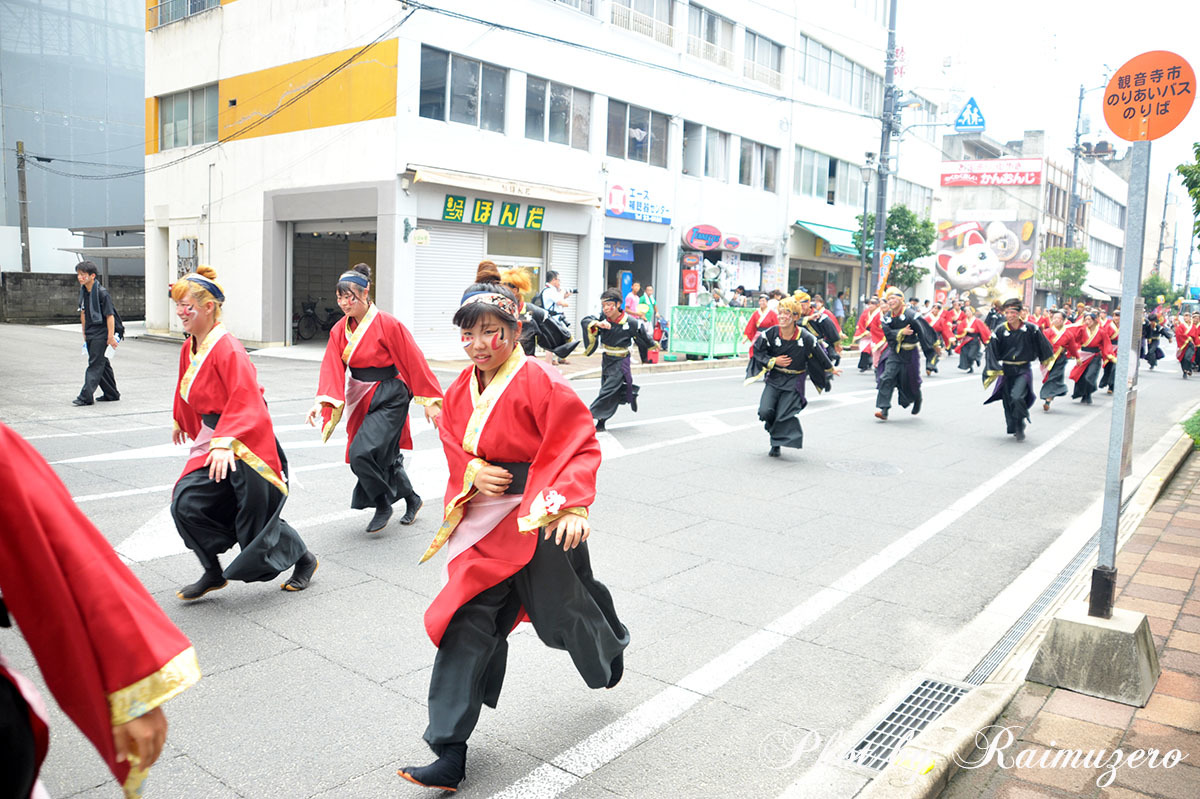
(618, 669)
(445, 773)
(109, 399)
(773, 452)
(211, 581)
(916, 406)
(380, 519)
(302, 574)
(412, 505)
(1046, 406)
(881, 414)
(633, 404)
(971, 371)
(1019, 435)
(1087, 400)
(82, 401)
(1110, 391)
(599, 425)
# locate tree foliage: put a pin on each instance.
(907, 235)
(1191, 179)
(1063, 270)
(1154, 285)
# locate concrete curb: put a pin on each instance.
(923, 768)
(670, 366)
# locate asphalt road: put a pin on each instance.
(767, 598)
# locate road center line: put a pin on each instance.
(608, 743)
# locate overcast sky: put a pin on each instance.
(1024, 60)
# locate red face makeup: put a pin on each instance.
(497, 341)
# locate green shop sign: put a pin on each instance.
(483, 212)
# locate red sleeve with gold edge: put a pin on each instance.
(96, 634)
(185, 418)
(245, 420)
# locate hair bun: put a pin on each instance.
(362, 269)
(206, 271)
(487, 272)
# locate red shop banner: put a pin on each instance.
(993, 172)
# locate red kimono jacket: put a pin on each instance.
(107, 652)
(976, 325)
(381, 340)
(219, 378)
(528, 414)
(942, 327)
(1182, 335)
(759, 320)
(1065, 344)
(1098, 339)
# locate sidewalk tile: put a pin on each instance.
(1172, 712)
(1188, 550)
(1162, 610)
(1062, 732)
(1169, 569)
(1076, 781)
(1186, 514)
(1155, 593)
(1159, 628)
(1147, 735)
(1187, 623)
(1184, 522)
(1137, 548)
(1023, 707)
(1019, 789)
(1181, 781)
(1177, 684)
(1153, 525)
(1089, 708)
(1123, 793)
(1175, 538)
(1183, 532)
(1158, 514)
(1129, 561)
(1171, 557)
(1192, 607)
(1181, 639)
(1162, 581)
(1179, 660)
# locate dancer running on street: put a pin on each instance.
(1113, 325)
(863, 330)
(762, 319)
(1185, 347)
(907, 336)
(971, 336)
(1064, 341)
(371, 371)
(1095, 348)
(1152, 333)
(1013, 348)
(523, 458)
(784, 356)
(220, 406)
(615, 331)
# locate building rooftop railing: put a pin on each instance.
(702, 48)
(758, 72)
(174, 10)
(630, 20)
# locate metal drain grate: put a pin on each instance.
(928, 700)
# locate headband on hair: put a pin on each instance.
(892, 290)
(490, 298)
(800, 296)
(354, 277)
(212, 287)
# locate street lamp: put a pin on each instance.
(868, 168)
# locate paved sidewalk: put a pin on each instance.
(1157, 575)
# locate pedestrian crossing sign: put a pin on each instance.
(970, 119)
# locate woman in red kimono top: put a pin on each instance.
(972, 334)
(1064, 340)
(760, 320)
(372, 370)
(939, 320)
(1185, 345)
(1095, 348)
(523, 457)
(862, 329)
(107, 652)
(1113, 326)
(219, 405)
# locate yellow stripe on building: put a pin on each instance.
(151, 125)
(364, 89)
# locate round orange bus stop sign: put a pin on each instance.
(1149, 96)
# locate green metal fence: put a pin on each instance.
(709, 330)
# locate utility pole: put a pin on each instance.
(1162, 228)
(889, 126)
(1073, 200)
(1191, 249)
(23, 205)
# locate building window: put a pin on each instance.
(175, 10)
(648, 17)
(188, 117)
(710, 36)
(1103, 254)
(471, 91)
(839, 77)
(1109, 210)
(705, 151)
(558, 113)
(637, 134)
(586, 6)
(757, 165)
(812, 174)
(764, 60)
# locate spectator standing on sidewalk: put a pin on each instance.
(101, 330)
(633, 309)
(839, 308)
(554, 299)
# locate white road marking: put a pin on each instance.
(605, 745)
(706, 423)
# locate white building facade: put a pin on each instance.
(607, 140)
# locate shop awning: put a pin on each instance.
(107, 252)
(841, 241)
(487, 183)
(1094, 293)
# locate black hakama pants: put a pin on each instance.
(570, 610)
(864, 362)
(616, 387)
(17, 748)
(902, 373)
(242, 509)
(969, 355)
(1055, 383)
(375, 455)
(1106, 376)
(1187, 363)
(1154, 352)
(1014, 389)
(1086, 385)
(778, 410)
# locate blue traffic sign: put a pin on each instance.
(970, 119)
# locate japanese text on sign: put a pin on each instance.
(1149, 96)
(487, 212)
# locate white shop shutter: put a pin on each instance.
(564, 259)
(445, 267)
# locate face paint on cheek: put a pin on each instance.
(497, 340)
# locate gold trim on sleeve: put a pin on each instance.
(176, 675)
